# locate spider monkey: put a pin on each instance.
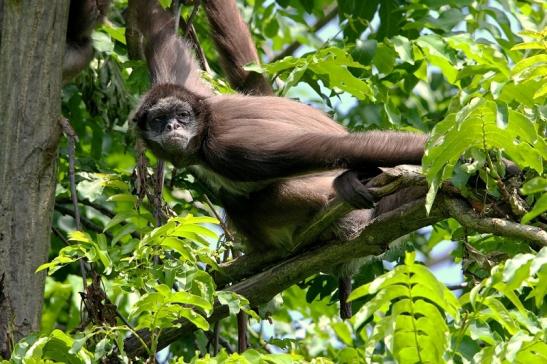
(273, 163)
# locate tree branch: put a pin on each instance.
(261, 287)
(100, 208)
(282, 272)
(459, 210)
(86, 223)
(380, 186)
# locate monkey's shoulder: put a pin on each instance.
(269, 113)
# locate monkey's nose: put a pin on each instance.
(173, 125)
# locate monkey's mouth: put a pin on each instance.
(175, 142)
(174, 136)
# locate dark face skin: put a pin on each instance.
(168, 127)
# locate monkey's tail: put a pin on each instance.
(344, 290)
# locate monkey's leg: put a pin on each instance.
(344, 290)
(347, 228)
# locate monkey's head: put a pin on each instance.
(169, 121)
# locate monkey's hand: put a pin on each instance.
(349, 187)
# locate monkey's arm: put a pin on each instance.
(170, 59)
(261, 138)
(235, 46)
(314, 152)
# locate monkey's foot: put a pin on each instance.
(350, 188)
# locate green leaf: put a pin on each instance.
(165, 3)
(527, 63)
(179, 246)
(541, 92)
(358, 14)
(104, 258)
(80, 236)
(333, 63)
(117, 33)
(403, 48)
(390, 19)
(343, 332)
(384, 58)
(56, 263)
(539, 208)
(437, 53)
(501, 314)
(364, 51)
(528, 45)
(502, 115)
(475, 127)
(190, 299)
(199, 321)
(102, 42)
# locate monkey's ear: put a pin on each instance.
(138, 117)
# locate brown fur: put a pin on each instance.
(233, 42)
(253, 148)
(170, 59)
(271, 161)
(273, 137)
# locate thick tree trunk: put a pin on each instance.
(31, 54)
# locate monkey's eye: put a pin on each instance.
(183, 117)
(156, 124)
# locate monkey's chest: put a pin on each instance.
(270, 213)
(218, 183)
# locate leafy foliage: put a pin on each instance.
(472, 73)
(414, 330)
(417, 319)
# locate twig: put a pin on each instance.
(157, 199)
(242, 320)
(468, 218)
(60, 236)
(103, 210)
(71, 139)
(331, 14)
(93, 294)
(517, 204)
(222, 223)
(87, 223)
(221, 341)
(151, 188)
(216, 341)
(456, 287)
(172, 180)
(190, 20)
(133, 37)
(192, 35)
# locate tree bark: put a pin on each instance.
(31, 57)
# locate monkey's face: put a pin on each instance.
(168, 126)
